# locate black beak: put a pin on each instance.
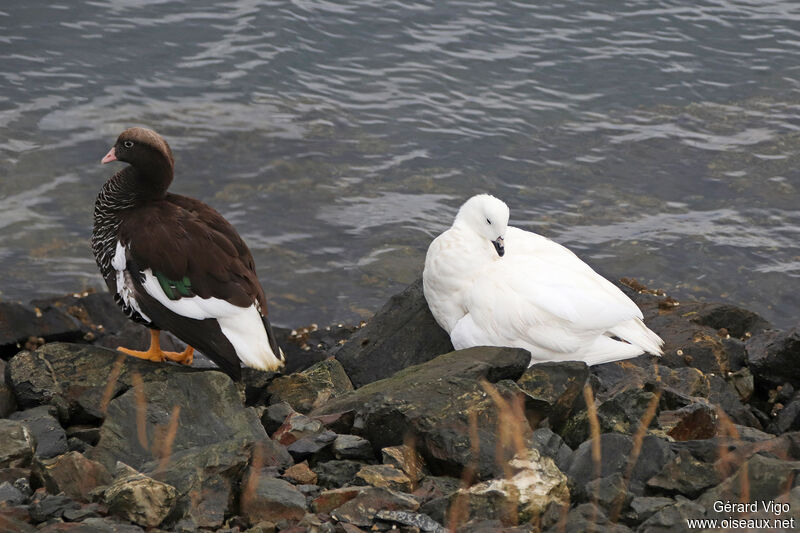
(498, 245)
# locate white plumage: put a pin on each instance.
(490, 284)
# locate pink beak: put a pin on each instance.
(110, 156)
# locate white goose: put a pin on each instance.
(491, 284)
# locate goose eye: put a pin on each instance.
(127, 144)
(488, 221)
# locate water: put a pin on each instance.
(658, 139)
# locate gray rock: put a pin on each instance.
(552, 389)
(275, 415)
(213, 438)
(51, 439)
(336, 473)
(10, 495)
(310, 445)
(18, 322)
(266, 498)
(385, 476)
(79, 379)
(643, 507)
(772, 357)
(8, 404)
(312, 387)
(401, 334)
(352, 447)
(551, 445)
(139, 498)
(788, 418)
(610, 492)
(17, 444)
(587, 517)
(616, 450)
(685, 475)
(672, 517)
(45, 507)
(418, 520)
(432, 402)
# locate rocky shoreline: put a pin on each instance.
(382, 426)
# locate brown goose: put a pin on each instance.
(173, 263)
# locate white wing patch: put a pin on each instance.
(242, 326)
(124, 281)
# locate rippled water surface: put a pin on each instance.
(658, 139)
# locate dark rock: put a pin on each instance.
(16, 520)
(79, 379)
(310, 445)
(77, 515)
(255, 383)
(45, 506)
(643, 507)
(430, 402)
(402, 333)
(10, 495)
(312, 387)
(616, 454)
(139, 498)
(271, 499)
(587, 517)
(420, 521)
(362, 509)
(95, 312)
(764, 478)
(77, 445)
(610, 492)
(624, 412)
(18, 322)
(436, 493)
(788, 418)
(744, 383)
(191, 432)
(51, 440)
(17, 444)
(275, 415)
(552, 389)
(405, 458)
(352, 447)
(8, 404)
(737, 321)
(693, 422)
(672, 517)
(297, 426)
(493, 526)
(722, 394)
(13, 474)
(303, 347)
(88, 434)
(383, 476)
(551, 445)
(337, 473)
(71, 473)
(772, 358)
(685, 475)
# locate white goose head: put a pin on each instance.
(487, 217)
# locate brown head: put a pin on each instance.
(149, 155)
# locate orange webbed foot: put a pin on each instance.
(155, 353)
(185, 357)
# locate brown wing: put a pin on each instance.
(180, 237)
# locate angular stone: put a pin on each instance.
(588, 517)
(401, 334)
(643, 507)
(301, 474)
(312, 387)
(79, 378)
(551, 445)
(310, 445)
(45, 506)
(305, 346)
(328, 500)
(71, 473)
(685, 475)
(10, 495)
(361, 510)
(296, 426)
(772, 357)
(788, 418)
(88, 434)
(18, 322)
(431, 402)
(610, 492)
(553, 388)
(139, 498)
(270, 499)
(8, 404)
(352, 447)
(385, 476)
(17, 444)
(191, 432)
(534, 484)
(693, 422)
(405, 458)
(672, 517)
(616, 454)
(51, 440)
(417, 520)
(336, 473)
(275, 415)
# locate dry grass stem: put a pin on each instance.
(141, 409)
(113, 377)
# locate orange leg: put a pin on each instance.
(155, 353)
